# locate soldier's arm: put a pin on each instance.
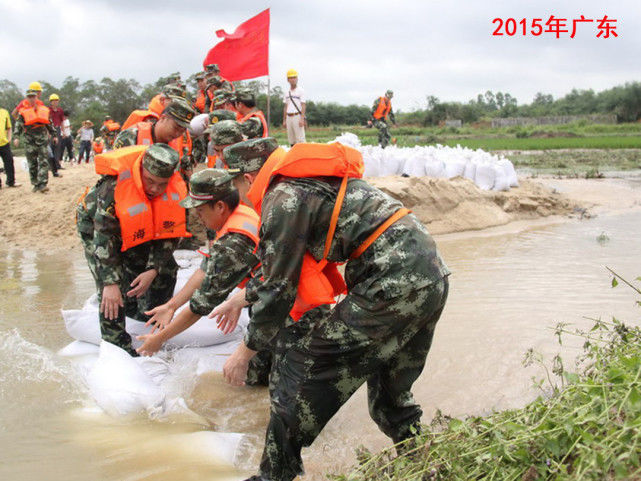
(231, 260)
(19, 128)
(107, 236)
(126, 138)
(391, 115)
(374, 107)
(51, 129)
(283, 235)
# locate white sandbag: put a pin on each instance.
(470, 170)
(501, 181)
(510, 172)
(83, 325)
(414, 166)
(454, 168)
(198, 125)
(485, 175)
(349, 139)
(79, 348)
(372, 168)
(205, 359)
(434, 168)
(120, 386)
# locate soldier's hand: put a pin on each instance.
(228, 312)
(111, 301)
(161, 316)
(16, 142)
(235, 368)
(141, 283)
(150, 346)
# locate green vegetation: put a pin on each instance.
(583, 426)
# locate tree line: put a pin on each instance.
(94, 100)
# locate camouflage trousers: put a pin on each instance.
(38, 161)
(88, 247)
(318, 372)
(199, 150)
(384, 136)
(160, 291)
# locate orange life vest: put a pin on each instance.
(143, 219)
(111, 125)
(320, 281)
(35, 115)
(24, 104)
(199, 104)
(383, 109)
(139, 116)
(144, 133)
(211, 161)
(98, 147)
(156, 105)
(179, 143)
(261, 117)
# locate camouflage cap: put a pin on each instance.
(32, 93)
(173, 90)
(389, 93)
(214, 81)
(217, 115)
(200, 76)
(222, 96)
(160, 160)
(245, 95)
(175, 75)
(225, 132)
(206, 186)
(212, 67)
(180, 110)
(250, 155)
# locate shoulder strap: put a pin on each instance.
(294, 103)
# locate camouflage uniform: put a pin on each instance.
(116, 267)
(85, 213)
(384, 136)
(36, 141)
(380, 333)
(252, 127)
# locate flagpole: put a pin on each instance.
(268, 103)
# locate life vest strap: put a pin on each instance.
(334, 219)
(400, 213)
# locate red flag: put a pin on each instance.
(243, 54)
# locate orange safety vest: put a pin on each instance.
(98, 147)
(384, 106)
(143, 219)
(139, 116)
(244, 220)
(144, 133)
(199, 104)
(111, 125)
(156, 105)
(261, 117)
(179, 143)
(320, 281)
(35, 115)
(211, 161)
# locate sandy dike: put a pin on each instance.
(46, 221)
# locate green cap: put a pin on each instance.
(208, 185)
(200, 76)
(160, 160)
(245, 95)
(214, 81)
(225, 132)
(250, 155)
(32, 93)
(217, 115)
(180, 110)
(212, 67)
(173, 90)
(222, 96)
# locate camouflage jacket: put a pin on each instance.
(231, 259)
(130, 137)
(252, 128)
(390, 115)
(34, 134)
(295, 219)
(110, 261)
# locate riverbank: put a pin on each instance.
(47, 221)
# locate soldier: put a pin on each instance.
(137, 225)
(222, 134)
(314, 205)
(252, 120)
(34, 121)
(36, 87)
(109, 131)
(211, 70)
(381, 111)
(201, 96)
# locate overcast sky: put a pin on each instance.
(347, 51)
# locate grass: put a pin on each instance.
(584, 426)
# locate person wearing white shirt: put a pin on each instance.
(66, 141)
(86, 137)
(294, 111)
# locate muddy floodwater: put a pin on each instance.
(509, 288)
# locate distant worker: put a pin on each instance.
(381, 112)
(253, 121)
(5, 148)
(57, 117)
(294, 119)
(109, 131)
(201, 96)
(35, 122)
(86, 136)
(98, 145)
(36, 87)
(137, 223)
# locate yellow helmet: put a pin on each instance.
(292, 73)
(53, 97)
(35, 86)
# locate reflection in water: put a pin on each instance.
(507, 291)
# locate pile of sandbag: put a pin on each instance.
(487, 171)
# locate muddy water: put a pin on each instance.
(508, 290)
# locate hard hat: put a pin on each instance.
(53, 97)
(35, 86)
(292, 73)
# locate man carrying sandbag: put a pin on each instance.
(137, 225)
